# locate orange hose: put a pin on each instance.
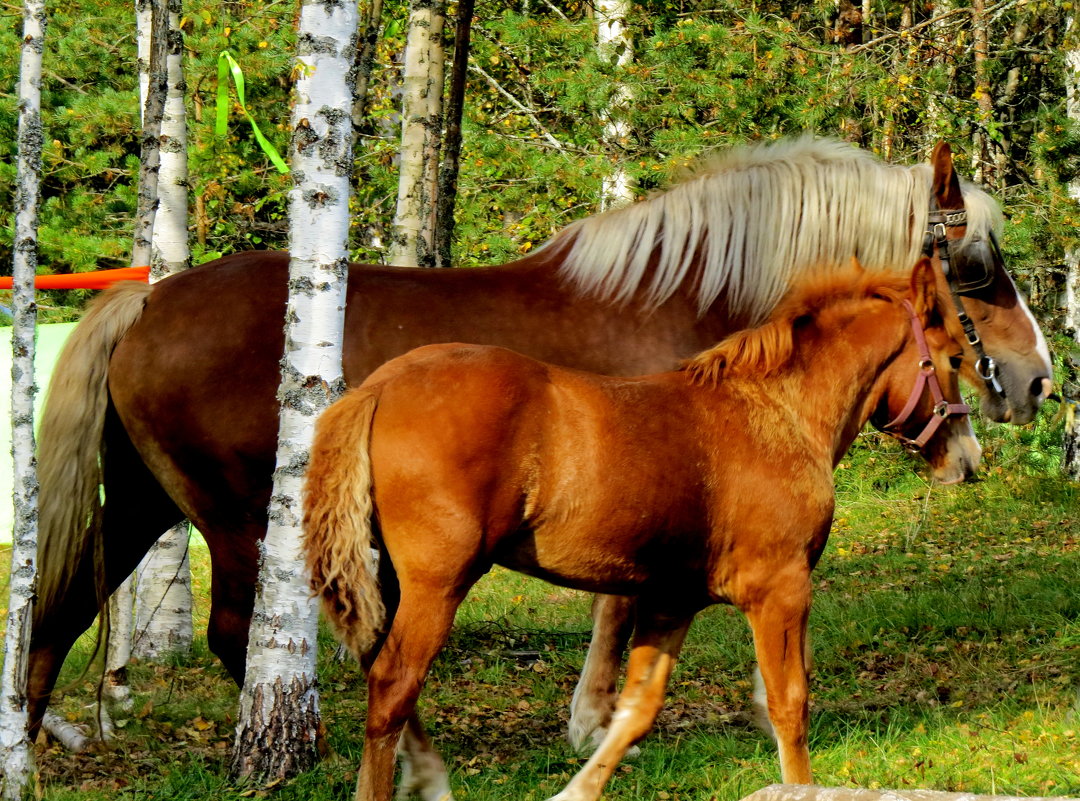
(98, 279)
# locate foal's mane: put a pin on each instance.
(768, 347)
(750, 223)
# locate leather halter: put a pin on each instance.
(936, 241)
(943, 410)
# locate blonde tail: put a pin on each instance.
(70, 449)
(338, 508)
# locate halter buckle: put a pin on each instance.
(942, 409)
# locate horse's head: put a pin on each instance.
(921, 404)
(1005, 356)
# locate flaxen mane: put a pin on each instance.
(747, 224)
(768, 347)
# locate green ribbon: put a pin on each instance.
(226, 65)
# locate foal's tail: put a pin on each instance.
(71, 445)
(338, 508)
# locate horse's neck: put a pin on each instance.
(836, 390)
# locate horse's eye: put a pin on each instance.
(955, 362)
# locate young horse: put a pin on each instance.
(167, 394)
(711, 484)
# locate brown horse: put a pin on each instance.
(166, 394)
(711, 484)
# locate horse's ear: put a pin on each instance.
(946, 183)
(923, 288)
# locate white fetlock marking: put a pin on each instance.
(422, 773)
(587, 713)
(761, 705)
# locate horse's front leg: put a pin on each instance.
(761, 698)
(778, 619)
(657, 641)
(595, 694)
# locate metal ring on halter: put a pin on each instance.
(926, 365)
(942, 409)
(991, 369)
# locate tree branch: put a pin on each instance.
(519, 106)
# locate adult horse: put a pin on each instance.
(166, 395)
(709, 484)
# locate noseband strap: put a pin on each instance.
(943, 410)
(936, 241)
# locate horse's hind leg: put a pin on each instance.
(657, 641)
(136, 512)
(421, 625)
(595, 694)
(423, 772)
(778, 620)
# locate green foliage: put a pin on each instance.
(704, 76)
(91, 118)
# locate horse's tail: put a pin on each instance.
(338, 509)
(71, 445)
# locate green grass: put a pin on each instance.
(946, 631)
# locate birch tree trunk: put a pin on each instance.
(615, 46)
(118, 642)
(15, 752)
(163, 590)
(279, 705)
(1071, 460)
(412, 241)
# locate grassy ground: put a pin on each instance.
(946, 629)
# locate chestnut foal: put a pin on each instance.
(710, 484)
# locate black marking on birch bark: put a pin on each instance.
(307, 44)
(319, 198)
(303, 139)
(284, 741)
(329, 5)
(301, 285)
(171, 144)
(307, 399)
(31, 136)
(37, 43)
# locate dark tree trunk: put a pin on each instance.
(455, 107)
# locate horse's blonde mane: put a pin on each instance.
(749, 223)
(768, 347)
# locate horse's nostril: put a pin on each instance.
(1041, 388)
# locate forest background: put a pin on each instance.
(704, 76)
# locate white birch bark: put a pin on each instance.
(616, 46)
(16, 757)
(279, 705)
(412, 241)
(1071, 459)
(72, 736)
(163, 589)
(115, 690)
